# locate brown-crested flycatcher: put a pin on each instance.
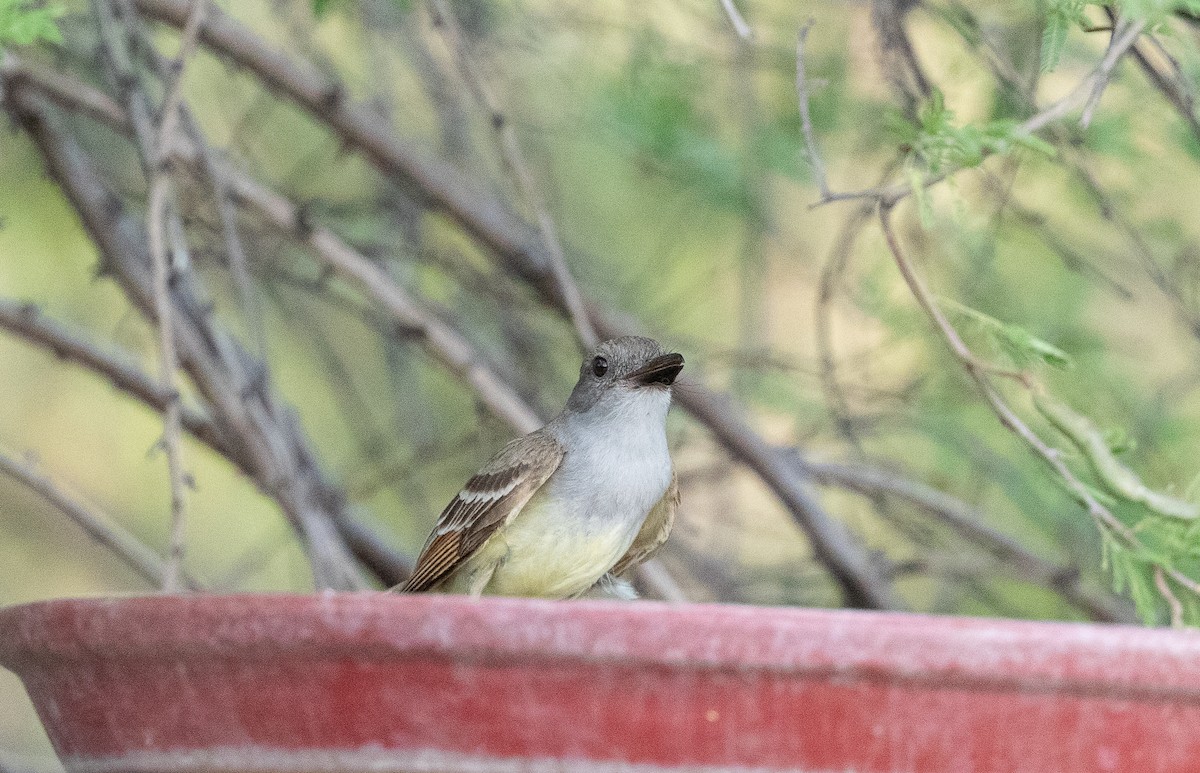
(574, 504)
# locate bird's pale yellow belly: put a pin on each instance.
(544, 553)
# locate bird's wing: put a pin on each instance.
(655, 529)
(489, 500)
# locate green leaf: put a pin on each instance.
(916, 181)
(1061, 15)
(654, 108)
(24, 22)
(1021, 346)
(1119, 440)
(936, 143)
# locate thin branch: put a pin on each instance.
(810, 142)
(887, 196)
(156, 226)
(1173, 87)
(735, 18)
(445, 344)
(1093, 83)
(26, 321)
(274, 447)
(225, 374)
(510, 150)
(1008, 418)
(61, 90)
(979, 374)
(169, 70)
(98, 526)
(972, 525)
(657, 579)
(860, 575)
(1124, 34)
(482, 215)
(1173, 602)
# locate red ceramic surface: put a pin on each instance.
(379, 682)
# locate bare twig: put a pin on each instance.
(1173, 86)
(810, 142)
(979, 374)
(735, 18)
(831, 273)
(242, 403)
(439, 339)
(972, 525)
(1173, 602)
(156, 226)
(27, 322)
(236, 385)
(898, 57)
(1124, 34)
(235, 438)
(61, 90)
(1009, 419)
(888, 196)
(510, 150)
(656, 579)
(98, 526)
(1092, 86)
(861, 576)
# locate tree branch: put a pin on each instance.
(735, 18)
(810, 142)
(510, 150)
(27, 322)
(98, 526)
(159, 199)
(243, 406)
(968, 522)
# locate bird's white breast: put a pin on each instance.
(583, 519)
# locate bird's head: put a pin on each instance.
(625, 370)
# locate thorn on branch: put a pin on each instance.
(408, 333)
(333, 96)
(305, 221)
(257, 383)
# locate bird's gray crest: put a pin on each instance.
(621, 357)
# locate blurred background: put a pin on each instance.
(376, 214)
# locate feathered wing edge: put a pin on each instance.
(489, 500)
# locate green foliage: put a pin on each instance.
(935, 145)
(1111, 135)
(321, 8)
(1117, 479)
(23, 22)
(1167, 527)
(1156, 11)
(940, 146)
(1061, 16)
(1018, 344)
(654, 109)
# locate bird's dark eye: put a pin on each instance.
(599, 366)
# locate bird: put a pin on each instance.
(567, 509)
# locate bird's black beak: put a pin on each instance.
(661, 371)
